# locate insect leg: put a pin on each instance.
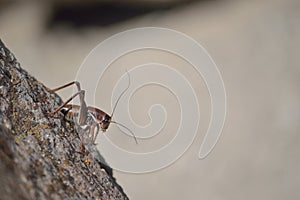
(66, 85)
(83, 106)
(81, 93)
(96, 129)
(82, 137)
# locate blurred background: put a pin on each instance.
(255, 45)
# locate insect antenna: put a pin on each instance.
(126, 129)
(121, 95)
(116, 107)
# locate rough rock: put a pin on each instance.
(40, 154)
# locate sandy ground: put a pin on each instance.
(255, 45)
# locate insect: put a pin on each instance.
(90, 119)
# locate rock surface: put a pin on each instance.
(40, 154)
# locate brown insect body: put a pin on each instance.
(90, 119)
(94, 115)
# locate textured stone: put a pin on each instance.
(40, 154)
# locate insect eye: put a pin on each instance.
(106, 119)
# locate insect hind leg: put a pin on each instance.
(66, 85)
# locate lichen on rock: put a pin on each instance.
(40, 154)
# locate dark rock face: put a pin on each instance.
(40, 154)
